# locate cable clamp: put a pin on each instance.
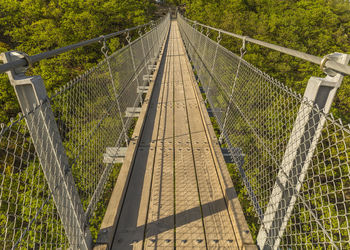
(27, 58)
(104, 48)
(128, 39)
(23, 55)
(243, 48)
(208, 32)
(218, 39)
(330, 72)
(195, 25)
(17, 55)
(323, 63)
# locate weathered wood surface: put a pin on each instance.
(179, 193)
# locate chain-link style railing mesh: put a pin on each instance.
(92, 113)
(321, 216)
(29, 218)
(256, 115)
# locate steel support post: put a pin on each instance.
(144, 55)
(101, 184)
(199, 45)
(158, 42)
(32, 97)
(135, 69)
(199, 56)
(116, 95)
(212, 70)
(149, 49)
(298, 155)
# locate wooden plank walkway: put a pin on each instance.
(178, 193)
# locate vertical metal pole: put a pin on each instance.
(298, 155)
(212, 67)
(204, 53)
(153, 45)
(193, 39)
(104, 51)
(149, 48)
(144, 53)
(31, 92)
(103, 179)
(134, 66)
(158, 42)
(206, 43)
(200, 34)
(199, 55)
(243, 51)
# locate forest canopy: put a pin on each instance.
(317, 27)
(35, 26)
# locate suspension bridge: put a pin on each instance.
(126, 156)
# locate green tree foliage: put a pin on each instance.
(317, 27)
(35, 26)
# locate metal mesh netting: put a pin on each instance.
(91, 114)
(257, 116)
(91, 111)
(321, 214)
(29, 218)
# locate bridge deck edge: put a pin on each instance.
(110, 220)
(240, 226)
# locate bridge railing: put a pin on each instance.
(59, 159)
(292, 155)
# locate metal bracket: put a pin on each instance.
(30, 90)
(139, 32)
(298, 154)
(330, 57)
(147, 78)
(114, 155)
(142, 89)
(132, 112)
(32, 97)
(336, 57)
(13, 56)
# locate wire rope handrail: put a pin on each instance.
(29, 60)
(59, 158)
(291, 154)
(324, 62)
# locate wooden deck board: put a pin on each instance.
(175, 197)
(160, 223)
(131, 225)
(188, 218)
(216, 220)
(218, 228)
